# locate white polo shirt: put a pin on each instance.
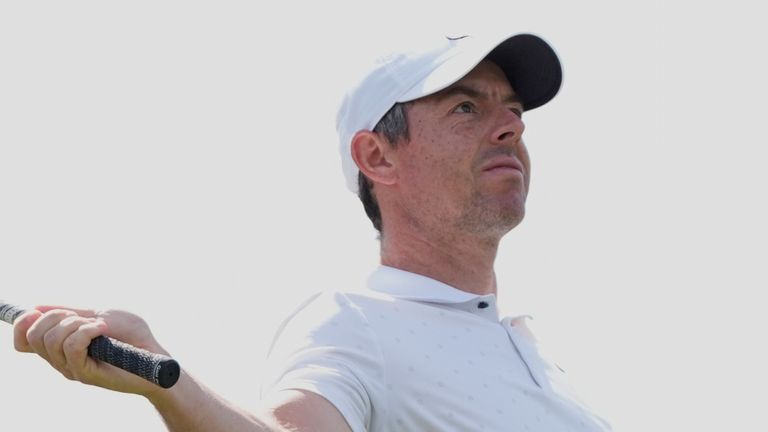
(414, 354)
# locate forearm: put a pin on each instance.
(189, 406)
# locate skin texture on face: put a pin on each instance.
(465, 169)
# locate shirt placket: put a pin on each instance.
(527, 354)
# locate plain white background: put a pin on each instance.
(179, 160)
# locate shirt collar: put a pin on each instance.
(405, 285)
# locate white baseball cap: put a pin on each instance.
(426, 67)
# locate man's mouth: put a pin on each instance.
(502, 164)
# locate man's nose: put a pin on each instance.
(509, 126)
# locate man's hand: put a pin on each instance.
(61, 336)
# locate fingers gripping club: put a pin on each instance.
(157, 368)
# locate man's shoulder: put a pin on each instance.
(327, 304)
(329, 320)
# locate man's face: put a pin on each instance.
(466, 167)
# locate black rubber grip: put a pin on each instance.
(157, 368)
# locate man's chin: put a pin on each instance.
(512, 221)
(494, 222)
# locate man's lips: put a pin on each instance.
(505, 163)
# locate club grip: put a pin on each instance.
(157, 368)
(9, 312)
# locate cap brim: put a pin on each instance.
(529, 63)
(531, 66)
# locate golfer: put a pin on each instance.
(431, 140)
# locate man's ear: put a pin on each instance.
(371, 153)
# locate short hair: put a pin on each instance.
(394, 127)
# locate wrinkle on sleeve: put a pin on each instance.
(327, 347)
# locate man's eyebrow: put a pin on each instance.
(460, 89)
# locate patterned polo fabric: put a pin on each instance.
(413, 354)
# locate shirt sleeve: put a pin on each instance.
(327, 347)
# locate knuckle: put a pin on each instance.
(69, 320)
(49, 338)
(33, 334)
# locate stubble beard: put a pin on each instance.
(488, 217)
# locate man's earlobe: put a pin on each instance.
(371, 153)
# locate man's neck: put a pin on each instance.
(463, 262)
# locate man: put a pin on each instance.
(431, 140)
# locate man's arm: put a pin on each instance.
(61, 336)
(190, 406)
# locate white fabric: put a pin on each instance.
(413, 354)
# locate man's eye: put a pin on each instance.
(464, 108)
(518, 112)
